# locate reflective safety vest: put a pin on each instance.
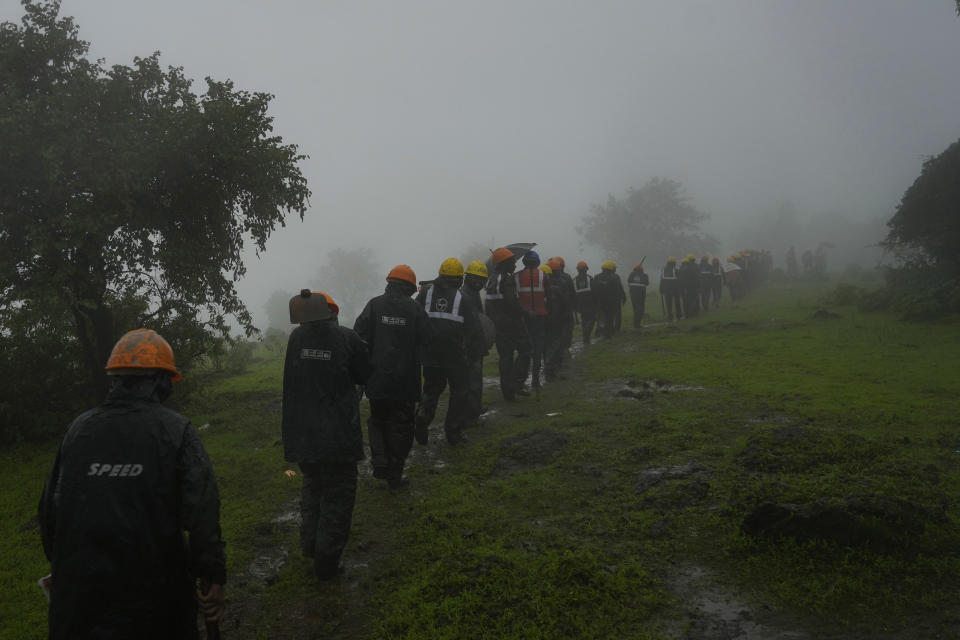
(585, 287)
(669, 272)
(531, 290)
(636, 283)
(493, 287)
(442, 308)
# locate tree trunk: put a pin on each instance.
(96, 335)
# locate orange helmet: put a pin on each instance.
(582, 265)
(502, 254)
(403, 272)
(554, 264)
(141, 349)
(638, 267)
(716, 259)
(560, 261)
(330, 303)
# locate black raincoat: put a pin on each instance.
(321, 421)
(457, 335)
(130, 477)
(394, 326)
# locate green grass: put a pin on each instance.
(510, 539)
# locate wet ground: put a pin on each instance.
(710, 608)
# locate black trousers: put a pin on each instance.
(390, 432)
(435, 380)
(510, 341)
(588, 320)
(609, 318)
(691, 303)
(672, 301)
(474, 392)
(537, 333)
(638, 298)
(556, 347)
(326, 509)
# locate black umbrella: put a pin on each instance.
(517, 248)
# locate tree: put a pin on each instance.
(125, 197)
(278, 310)
(351, 277)
(925, 230)
(924, 238)
(656, 220)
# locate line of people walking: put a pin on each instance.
(131, 477)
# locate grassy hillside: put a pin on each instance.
(615, 506)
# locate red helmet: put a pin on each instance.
(638, 267)
(582, 265)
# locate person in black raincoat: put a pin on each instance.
(610, 297)
(130, 477)
(503, 307)
(558, 311)
(321, 428)
(689, 278)
(457, 341)
(716, 281)
(394, 328)
(585, 301)
(705, 283)
(670, 289)
(565, 283)
(637, 282)
(474, 280)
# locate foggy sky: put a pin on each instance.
(431, 125)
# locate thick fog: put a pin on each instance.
(434, 126)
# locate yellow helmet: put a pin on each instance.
(609, 265)
(477, 268)
(671, 259)
(546, 269)
(691, 257)
(451, 267)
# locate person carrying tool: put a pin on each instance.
(670, 289)
(585, 302)
(321, 424)
(610, 298)
(503, 307)
(531, 283)
(130, 477)
(637, 282)
(394, 328)
(457, 341)
(473, 282)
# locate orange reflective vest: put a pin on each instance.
(531, 290)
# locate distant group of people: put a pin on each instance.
(132, 476)
(695, 287)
